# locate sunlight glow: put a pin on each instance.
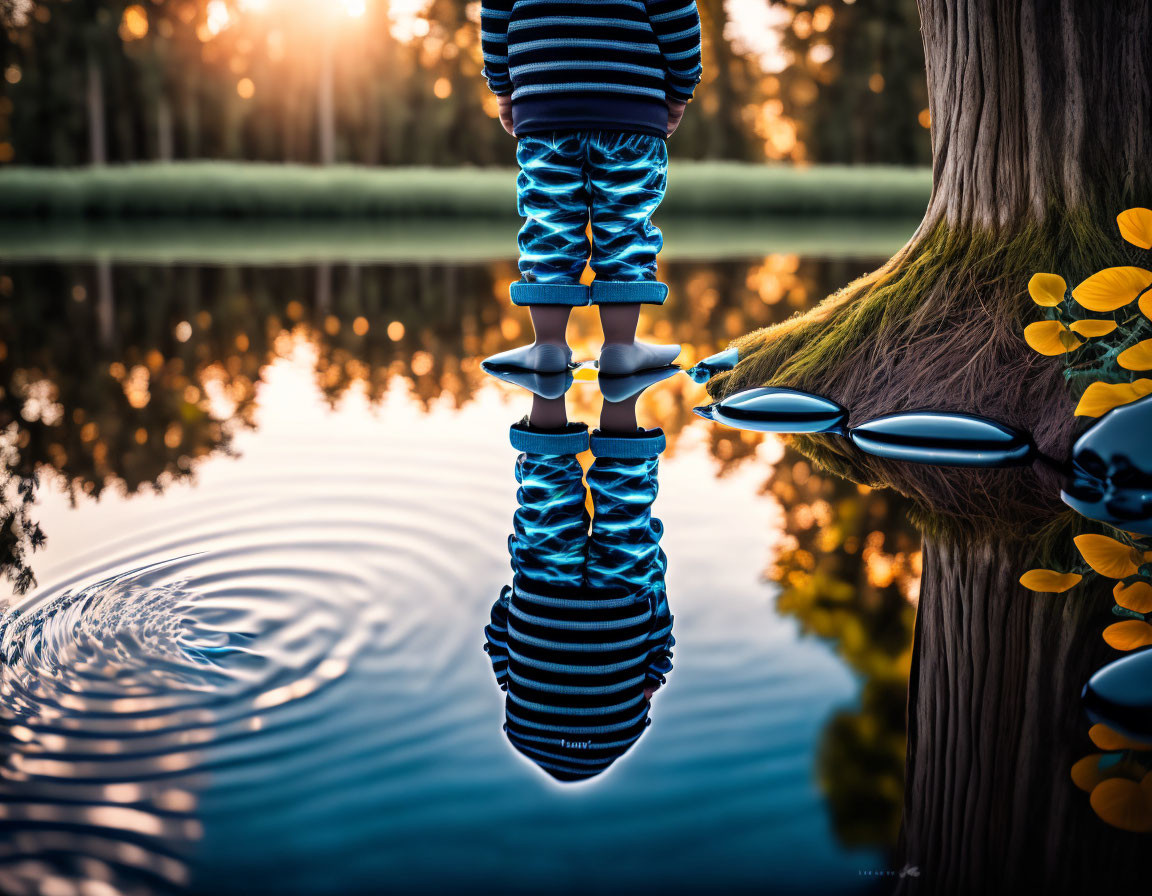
(217, 17)
(308, 9)
(756, 27)
(407, 17)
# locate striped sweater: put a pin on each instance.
(584, 628)
(591, 64)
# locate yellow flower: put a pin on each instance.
(1111, 740)
(1128, 635)
(1138, 357)
(1049, 580)
(1124, 804)
(1109, 557)
(1086, 773)
(1100, 398)
(1136, 226)
(1112, 288)
(1050, 337)
(1093, 328)
(1047, 289)
(1136, 597)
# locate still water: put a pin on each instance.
(276, 504)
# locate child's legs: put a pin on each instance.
(552, 197)
(627, 176)
(550, 322)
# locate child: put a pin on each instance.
(582, 638)
(591, 89)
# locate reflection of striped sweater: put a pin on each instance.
(591, 64)
(585, 626)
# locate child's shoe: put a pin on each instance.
(622, 388)
(545, 385)
(622, 359)
(539, 357)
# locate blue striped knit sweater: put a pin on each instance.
(591, 64)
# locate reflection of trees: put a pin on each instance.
(849, 572)
(126, 376)
(130, 412)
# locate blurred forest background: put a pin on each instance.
(397, 82)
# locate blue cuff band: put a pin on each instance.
(638, 292)
(644, 444)
(571, 440)
(572, 294)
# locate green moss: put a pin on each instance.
(930, 278)
(939, 326)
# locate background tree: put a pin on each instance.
(854, 82)
(1040, 132)
(370, 82)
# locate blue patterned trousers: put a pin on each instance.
(614, 181)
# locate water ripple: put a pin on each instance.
(124, 699)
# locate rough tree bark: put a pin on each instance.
(1042, 133)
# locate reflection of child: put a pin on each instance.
(583, 636)
(591, 90)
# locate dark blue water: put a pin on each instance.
(268, 676)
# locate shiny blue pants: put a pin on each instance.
(613, 180)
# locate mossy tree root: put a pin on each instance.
(939, 327)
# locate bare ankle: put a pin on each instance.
(548, 413)
(619, 323)
(550, 323)
(618, 416)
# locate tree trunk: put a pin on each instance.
(105, 303)
(326, 103)
(164, 135)
(993, 731)
(1042, 133)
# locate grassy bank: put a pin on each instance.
(277, 241)
(701, 190)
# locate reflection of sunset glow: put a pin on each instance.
(134, 24)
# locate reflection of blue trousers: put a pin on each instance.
(614, 180)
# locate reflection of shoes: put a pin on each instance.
(541, 357)
(621, 388)
(617, 359)
(1120, 696)
(546, 385)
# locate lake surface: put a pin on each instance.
(276, 503)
